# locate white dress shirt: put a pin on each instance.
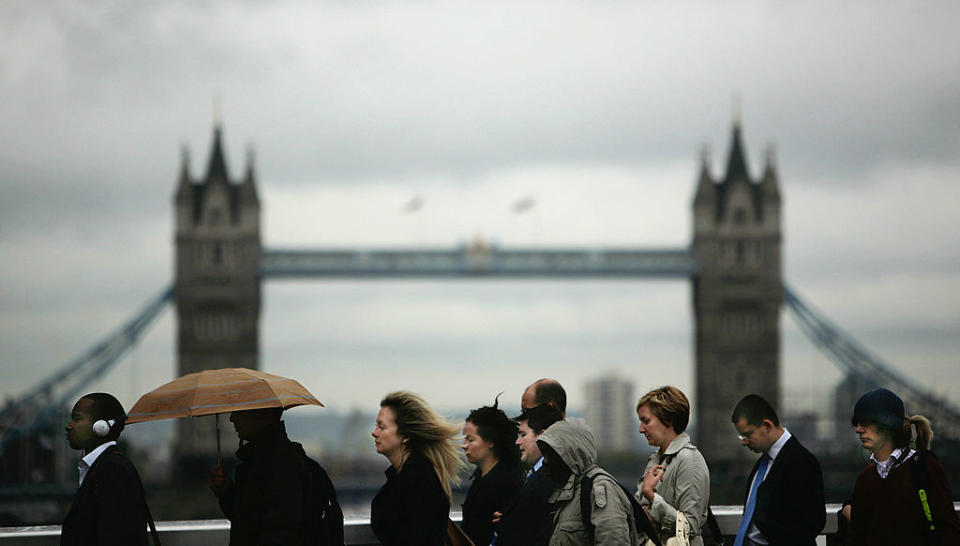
(754, 536)
(894, 460)
(87, 461)
(536, 466)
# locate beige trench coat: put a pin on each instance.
(685, 487)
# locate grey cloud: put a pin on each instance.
(98, 99)
(460, 94)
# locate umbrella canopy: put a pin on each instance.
(219, 391)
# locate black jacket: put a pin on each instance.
(268, 501)
(489, 494)
(528, 520)
(110, 508)
(411, 508)
(790, 503)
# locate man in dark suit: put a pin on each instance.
(528, 520)
(110, 507)
(784, 502)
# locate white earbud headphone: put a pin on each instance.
(101, 428)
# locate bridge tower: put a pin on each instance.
(737, 295)
(217, 283)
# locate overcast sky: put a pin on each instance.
(596, 110)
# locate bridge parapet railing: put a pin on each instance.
(357, 531)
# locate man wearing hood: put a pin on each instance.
(570, 454)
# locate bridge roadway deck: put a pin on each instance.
(479, 261)
(356, 530)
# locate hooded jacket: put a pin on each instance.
(611, 512)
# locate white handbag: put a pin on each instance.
(682, 538)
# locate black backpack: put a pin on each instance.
(322, 510)
(640, 520)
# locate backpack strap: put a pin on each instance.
(146, 507)
(921, 483)
(586, 502)
(640, 520)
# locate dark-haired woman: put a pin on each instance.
(887, 506)
(489, 443)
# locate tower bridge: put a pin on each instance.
(734, 264)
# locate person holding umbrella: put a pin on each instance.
(272, 500)
(279, 495)
(413, 506)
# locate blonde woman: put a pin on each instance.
(414, 505)
(676, 477)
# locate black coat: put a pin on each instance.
(268, 501)
(528, 520)
(411, 508)
(110, 508)
(489, 494)
(790, 504)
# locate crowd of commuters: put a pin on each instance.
(535, 479)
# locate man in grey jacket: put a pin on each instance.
(570, 454)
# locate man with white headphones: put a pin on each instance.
(110, 505)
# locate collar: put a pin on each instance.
(774, 450)
(538, 464)
(86, 463)
(681, 441)
(896, 458)
(92, 457)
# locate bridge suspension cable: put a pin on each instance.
(44, 402)
(854, 359)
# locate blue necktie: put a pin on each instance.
(751, 501)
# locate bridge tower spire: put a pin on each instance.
(217, 284)
(737, 295)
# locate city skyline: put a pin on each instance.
(572, 125)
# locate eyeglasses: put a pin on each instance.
(745, 437)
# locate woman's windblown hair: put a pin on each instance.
(429, 434)
(493, 425)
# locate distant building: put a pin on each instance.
(610, 413)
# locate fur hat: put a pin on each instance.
(880, 406)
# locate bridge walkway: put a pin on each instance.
(357, 530)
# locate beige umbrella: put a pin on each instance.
(212, 392)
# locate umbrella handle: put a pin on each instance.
(219, 459)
